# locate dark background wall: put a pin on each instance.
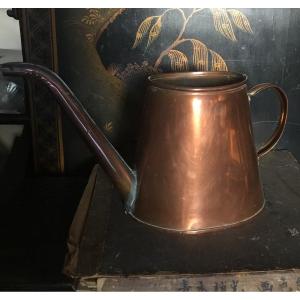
(102, 62)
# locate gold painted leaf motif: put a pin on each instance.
(222, 23)
(108, 126)
(154, 31)
(92, 18)
(94, 10)
(200, 55)
(142, 31)
(223, 19)
(179, 61)
(90, 37)
(217, 62)
(240, 20)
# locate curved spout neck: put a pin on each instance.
(122, 176)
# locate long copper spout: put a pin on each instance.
(122, 176)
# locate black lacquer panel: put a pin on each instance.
(105, 55)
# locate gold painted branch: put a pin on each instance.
(178, 59)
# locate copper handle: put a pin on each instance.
(271, 143)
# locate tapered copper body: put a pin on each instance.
(197, 166)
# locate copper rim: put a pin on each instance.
(205, 229)
(198, 81)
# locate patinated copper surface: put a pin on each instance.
(196, 164)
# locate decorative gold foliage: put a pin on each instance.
(92, 17)
(90, 37)
(94, 10)
(217, 62)
(222, 23)
(240, 20)
(154, 31)
(179, 61)
(108, 126)
(142, 31)
(200, 55)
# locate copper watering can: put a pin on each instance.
(196, 163)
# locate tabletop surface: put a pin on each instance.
(112, 243)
